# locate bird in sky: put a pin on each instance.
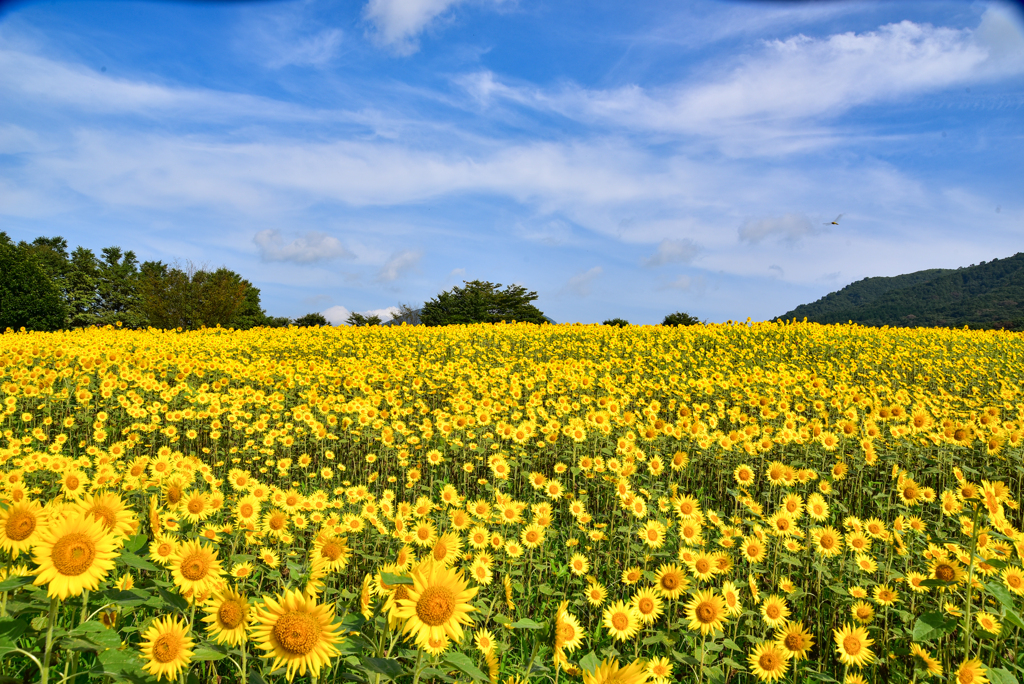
(833, 223)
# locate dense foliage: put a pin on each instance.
(115, 288)
(535, 503)
(987, 295)
(481, 301)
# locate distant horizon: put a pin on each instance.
(725, 159)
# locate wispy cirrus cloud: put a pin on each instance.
(673, 252)
(398, 264)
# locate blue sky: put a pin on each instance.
(621, 159)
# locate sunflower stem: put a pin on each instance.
(970, 584)
(44, 670)
(417, 668)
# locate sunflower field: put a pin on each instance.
(512, 503)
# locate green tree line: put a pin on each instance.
(44, 286)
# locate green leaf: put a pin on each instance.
(590, 662)
(1014, 618)
(134, 561)
(176, 601)
(11, 628)
(387, 667)
(16, 582)
(526, 623)
(999, 675)
(92, 636)
(546, 590)
(395, 579)
(133, 544)
(732, 663)
(1001, 593)
(931, 625)
(205, 652)
(466, 665)
(731, 645)
(502, 620)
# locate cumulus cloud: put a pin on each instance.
(399, 263)
(580, 283)
(308, 248)
(336, 315)
(789, 227)
(673, 252)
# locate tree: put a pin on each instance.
(618, 322)
(28, 296)
(482, 302)
(310, 320)
(406, 314)
(359, 320)
(80, 290)
(680, 318)
(118, 298)
(193, 297)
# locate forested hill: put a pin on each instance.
(985, 295)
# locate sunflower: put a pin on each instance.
(971, 672)
(774, 611)
(671, 581)
(20, 525)
(731, 596)
(195, 569)
(660, 670)
(596, 594)
(1013, 578)
(166, 648)
(296, 632)
(794, 640)
(769, 661)
(578, 564)
(438, 603)
(885, 595)
(753, 550)
(568, 633)
(702, 566)
(947, 570)
(331, 550)
(447, 549)
(483, 640)
(227, 615)
(648, 604)
(988, 622)
(73, 554)
(930, 664)
(622, 620)
(609, 672)
(706, 611)
(828, 541)
(853, 645)
(863, 612)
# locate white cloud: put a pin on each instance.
(33, 78)
(398, 265)
(287, 35)
(683, 282)
(580, 283)
(336, 315)
(308, 248)
(673, 251)
(788, 227)
(768, 96)
(399, 22)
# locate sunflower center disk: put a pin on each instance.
(436, 606)
(330, 551)
(73, 554)
(230, 614)
(195, 506)
(20, 526)
(669, 582)
(793, 642)
(768, 661)
(297, 632)
(852, 645)
(706, 613)
(566, 632)
(945, 573)
(71, 482)
(620, 621)
(194, 567)
(166, 648)
(646, 605)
